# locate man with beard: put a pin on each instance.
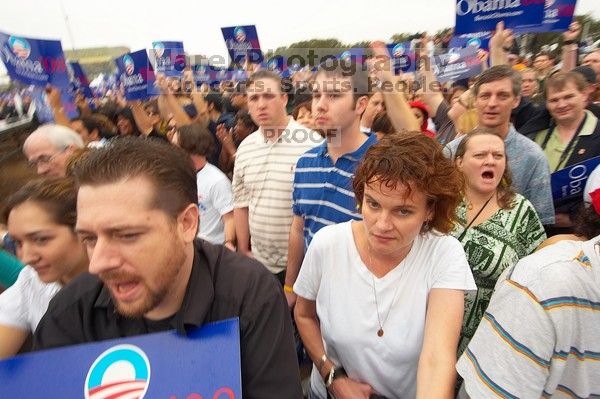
(137, 214)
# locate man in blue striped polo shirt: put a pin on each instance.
(322, 193)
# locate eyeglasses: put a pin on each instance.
(44, 159)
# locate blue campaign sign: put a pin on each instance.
(34, 61)
(479, 40)
(137, 75)
(80, 79)
(202, 73)
(276, 64)
(67, 100)
(239, 75)
(569, 182)
(42, 107)
(402, 56)
(483, 15)
(354, 54)
(242, 43)
(205, 364)
(456, 65)
(43, 110)
(168, 57)
(558, 15)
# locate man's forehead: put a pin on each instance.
(497, 85)
(568, 88)
(263, 86)
(38, 144)
(135, 193)
(324, 82)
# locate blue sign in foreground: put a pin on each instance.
(203, 365)
(569, 182)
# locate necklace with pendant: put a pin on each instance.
(380, 332)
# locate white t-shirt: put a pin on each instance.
(215, 199)
(24, 303)
(539, 335)
(334, 276)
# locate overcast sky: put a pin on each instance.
(197, 23)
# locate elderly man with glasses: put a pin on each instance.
(49, 147)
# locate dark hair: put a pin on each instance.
(416, 161)
(548, 54)
(90, 124)
(496, 73)
(358, 75)
(244, 117)
(382, 124)
(195, 139)
(167, 167)
(559, 80)
(216, 100)
(58, 197)
(506, 194)
(450, 93)
(587, 222)
(307, 105)
(262, 74)
(127, 114)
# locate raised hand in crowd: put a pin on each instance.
(228, 148)
(82, 104)
(399, 111)
(170, 102)
(142, 120)
(200, 104)
(53, 95)
(570, 46)
(224, 136)
(500, 44)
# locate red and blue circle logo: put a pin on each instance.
(474, 42)
(20, 47)
(129, 65)
(121, 372)
(346, 56)
(398, 50)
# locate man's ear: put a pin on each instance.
(516, 102)
(95, 134)
(361, 105)
(188, 223)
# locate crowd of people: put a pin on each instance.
(405, 243)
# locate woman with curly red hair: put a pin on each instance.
(380, 301)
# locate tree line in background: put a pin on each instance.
(99, 60)
(535, 42)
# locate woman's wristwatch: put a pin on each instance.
(335, 373)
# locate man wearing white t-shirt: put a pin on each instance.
(215, 198)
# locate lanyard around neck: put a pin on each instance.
(475, 218)
(572, 142)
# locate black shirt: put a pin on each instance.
(222, 285)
